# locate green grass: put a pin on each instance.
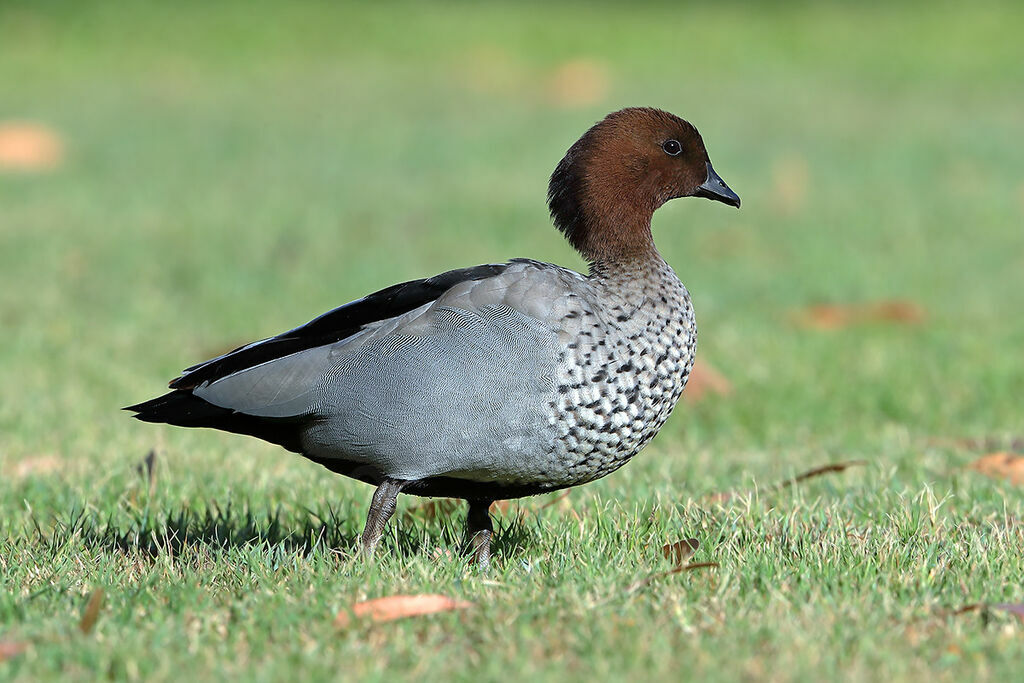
(232, 172)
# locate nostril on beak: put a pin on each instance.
(715, 188)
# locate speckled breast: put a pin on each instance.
(624, 372)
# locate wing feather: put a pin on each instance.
(334, 326)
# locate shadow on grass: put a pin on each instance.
(226, 527)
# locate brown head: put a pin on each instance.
(604, 191)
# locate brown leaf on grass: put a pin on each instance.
(680, 551)
(500, 506)
(705, 380)
(36, 465)
(1001, 466)
(11, 648)
(840, 316)
(578, 83)
(818, 471)
(28, 146)
(723, 496)
(92, 611)
(399, 607)
(973, 607)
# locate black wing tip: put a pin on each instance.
(150, 407)
(138, 407)
(152, 403)
(182, 408)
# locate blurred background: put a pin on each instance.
(179, 178)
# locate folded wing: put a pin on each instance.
(445, 375)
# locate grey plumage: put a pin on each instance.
(502, 380)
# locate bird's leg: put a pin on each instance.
(381, 508)
(479, 531)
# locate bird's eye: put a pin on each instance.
(672, 147)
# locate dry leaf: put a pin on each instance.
(818, 471)
(27, 146)
(839, 316)
(11, 648)
(705, 380)
(92, 611)
(966, 609)
(578, 83)
(399, 607)
(723, 496)
(1001, 466)
(41, 464)
(501, 506)
(680, 551)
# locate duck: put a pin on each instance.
(496, 381)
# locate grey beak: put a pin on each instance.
(715, 188)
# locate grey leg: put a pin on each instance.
(479, 531)
(381, 509)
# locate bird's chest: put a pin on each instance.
(620, 379)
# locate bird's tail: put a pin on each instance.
(184, 409)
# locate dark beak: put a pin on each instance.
(715, 188)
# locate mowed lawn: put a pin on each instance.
(220, 175)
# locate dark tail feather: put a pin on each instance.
(184, 409)
(181, 408)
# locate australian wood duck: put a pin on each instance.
(496, 381)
